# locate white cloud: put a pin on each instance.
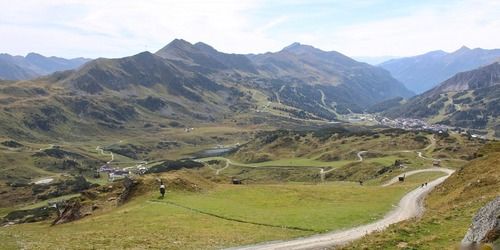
(114, 28)
(119, 28)
(446, 27)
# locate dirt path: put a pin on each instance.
(217, 171)
(359, 155)
(323, 98)
(411, 205)
(432, 144)
(409, 173)
(101, 151)
(426, 158)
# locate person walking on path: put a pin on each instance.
(162, 189)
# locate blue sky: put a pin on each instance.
(112, 28)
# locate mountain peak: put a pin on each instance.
(174, 48)
(179, 43)
(463, 49)
(299, 48)
(34, 55)
(204, 47)
(292, 46)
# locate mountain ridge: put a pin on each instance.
(34, 65)
(422, 72)
(469, 99)
(193, 83)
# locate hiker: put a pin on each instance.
(162, 189)
(422, 184)
(361, 183)
(426, 184)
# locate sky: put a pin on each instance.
(357, 28)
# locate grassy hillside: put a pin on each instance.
(450, 208)
(198, 214)
(467, 100)
(300, 155)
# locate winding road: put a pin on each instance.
(101, 151)
(411, 205)
(360, 158)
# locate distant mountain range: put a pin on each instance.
(422, 72)
(374, 60)
(34, 65)
(469, 99)
(321, 83)
(186, 84)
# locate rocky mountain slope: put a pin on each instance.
(190, 83)
(326, 80)
(33, 65)
(300, 76)
(422, 72)
(469, 99)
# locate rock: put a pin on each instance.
(29, 215)
(128, 187)
(70, 212)
(90, 194)
(402, 245)
(485, 226)
(12, 144)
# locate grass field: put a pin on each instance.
(147, 222)
(449, 209)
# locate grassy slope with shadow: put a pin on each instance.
(450, 208)
(159, 225)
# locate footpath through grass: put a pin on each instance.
(449, 209)
(146, 224)
(318, 208)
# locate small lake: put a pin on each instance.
(214, 152)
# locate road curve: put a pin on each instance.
(101, 151)
(411, 205)
(360, 158)
(409, 173)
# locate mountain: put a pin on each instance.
(374, 60)
(421, 73)
(326, 80)
(469, 99)
(202, 57)
(184, 84)
(34, 65)
(300, 76)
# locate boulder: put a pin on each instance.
(128, 187)
(485, 227)
(69, 212)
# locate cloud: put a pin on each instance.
(113, 28)
(445, 26)
(118, 28)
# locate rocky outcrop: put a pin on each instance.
(29, 215)
(485, 226)
(128, 187)
(70, 212)
(12, 144)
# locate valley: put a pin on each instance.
(255, 139)
(329, 178)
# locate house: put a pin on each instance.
(106, 168)
(118, 174)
